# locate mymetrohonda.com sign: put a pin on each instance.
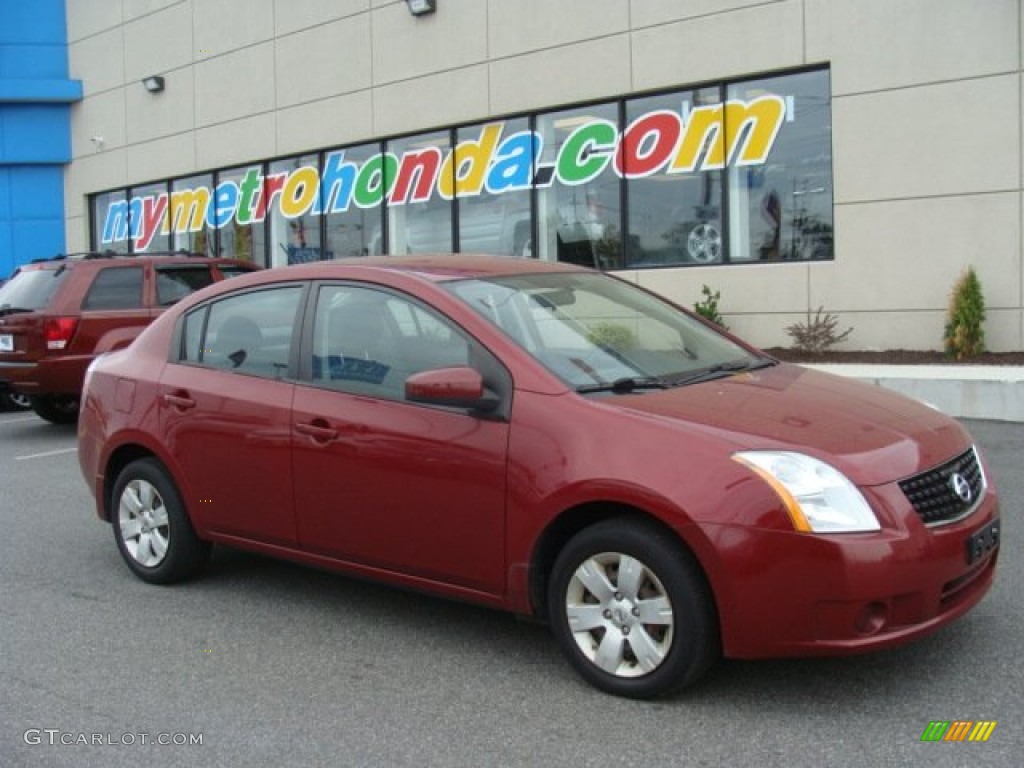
(707, 137)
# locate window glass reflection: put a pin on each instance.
(293, 186)
(580, 222)
(111, 221)
(489, 222)
(150, 237)
(419, 219)
(352, 230)
(782, 210)
(239, 201)
(676, 218)
(187, 215)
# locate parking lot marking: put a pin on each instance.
(44, 455)
(16, 421)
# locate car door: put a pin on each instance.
(225, 408)
(387, 483)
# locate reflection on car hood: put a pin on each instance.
(873, 435)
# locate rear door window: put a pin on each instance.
(115, 288)
(31, 289)
(247, 333)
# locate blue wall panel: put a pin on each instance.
(35, 137)
(34, 133)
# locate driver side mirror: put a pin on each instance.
(460, 387)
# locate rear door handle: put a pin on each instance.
(179, 401)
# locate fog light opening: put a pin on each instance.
(871, 619)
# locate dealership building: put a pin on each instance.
(789, 154)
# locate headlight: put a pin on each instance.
(818, 497)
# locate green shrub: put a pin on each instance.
(708, 307)
(965, 327)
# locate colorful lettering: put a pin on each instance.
(707, 137)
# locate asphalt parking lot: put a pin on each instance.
(272, 664)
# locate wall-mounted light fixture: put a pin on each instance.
(153, 83)
(421, 7)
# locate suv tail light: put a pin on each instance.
(57, 331)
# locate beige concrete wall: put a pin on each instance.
(927, 118)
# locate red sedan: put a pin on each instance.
(544, 439)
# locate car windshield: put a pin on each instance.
(598, 333)
(30, 289)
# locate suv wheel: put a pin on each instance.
(15, 401)
(56, 409)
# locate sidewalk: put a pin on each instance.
(970, 392)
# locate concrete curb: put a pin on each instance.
(962, 391)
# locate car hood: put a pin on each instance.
(872, 435)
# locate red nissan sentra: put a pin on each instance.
(548, 440)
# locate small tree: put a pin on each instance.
(965, 327)
(708, 307)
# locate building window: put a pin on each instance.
(414, 172)
(676, 215)
(578, 192)
(151, 214)
(782, 209)
(493, 198)
(737, 172)
(294, 189)
(111, 221)
(354, 224)
(189, 203)
(240, 202)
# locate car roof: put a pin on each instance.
(437, 267)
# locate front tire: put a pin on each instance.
(56, 409)
(631, 610)
(151, 528)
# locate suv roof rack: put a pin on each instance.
(82, 255)
(162, 254)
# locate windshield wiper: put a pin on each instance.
(625, 385)
(722, 370)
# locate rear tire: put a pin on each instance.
(151, 528)
(56, 409)
(14, 401)
(631, 610)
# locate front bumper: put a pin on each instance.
(798, 594)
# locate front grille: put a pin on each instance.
(934, 494)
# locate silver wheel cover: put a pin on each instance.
(704, 243)
(142, 516)
(619, 614)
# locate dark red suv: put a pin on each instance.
(57, 315)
